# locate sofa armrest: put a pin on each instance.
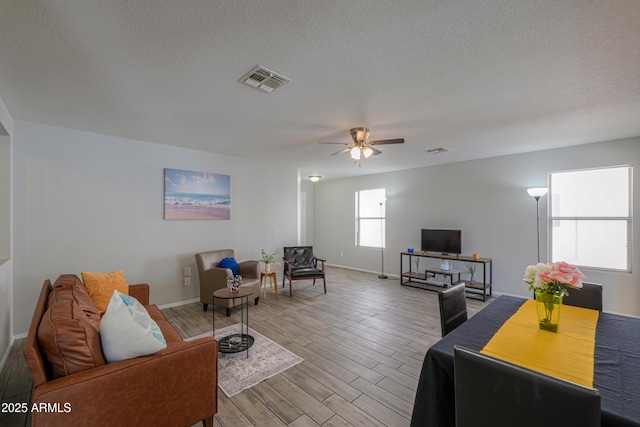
(140, 292)
(176, 386)
(250, 268)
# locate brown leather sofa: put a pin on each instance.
(213, 278)
(176, 386)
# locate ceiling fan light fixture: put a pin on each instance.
(361, 147)
(360, 134)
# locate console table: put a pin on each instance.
(421, 279)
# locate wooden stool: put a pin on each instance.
(274, 281)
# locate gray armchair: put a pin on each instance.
(213, 277)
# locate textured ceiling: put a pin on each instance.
(480, 77)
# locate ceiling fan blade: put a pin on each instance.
(326, 142)
(346, 150)
(375, 152)
(388, 141)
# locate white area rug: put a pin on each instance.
(236, 372)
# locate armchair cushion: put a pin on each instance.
(127, 330)
(299, 272)
(299, 257)
(231, 264)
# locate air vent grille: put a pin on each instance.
(264, 79)
(437, 150)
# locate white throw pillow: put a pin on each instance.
(127, 330)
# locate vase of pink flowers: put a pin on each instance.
(551, 282)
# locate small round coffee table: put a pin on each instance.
(235, 343)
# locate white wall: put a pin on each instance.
(88, 202)
(6, 226)
(307, 187)
(485, 198)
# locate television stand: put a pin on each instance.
(477, 290)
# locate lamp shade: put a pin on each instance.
(537, 192)
(355, 153)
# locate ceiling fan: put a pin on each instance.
(360, 148)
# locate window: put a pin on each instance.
(370, 218)
(591, 223)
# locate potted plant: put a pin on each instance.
(267, 258)
(471, 268)
(417, 261)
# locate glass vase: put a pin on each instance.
(548, 308)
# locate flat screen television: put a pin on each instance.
(442, 241)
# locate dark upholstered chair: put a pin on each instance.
(492, 392)
(299, 263)
(453, 308)
(590, 296)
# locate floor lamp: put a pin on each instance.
(536, 193)
(382, 275)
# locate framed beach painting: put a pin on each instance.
(196, 195)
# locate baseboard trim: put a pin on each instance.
(396, 276)
(179, 303)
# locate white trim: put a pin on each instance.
(179, 303)
(363, 270)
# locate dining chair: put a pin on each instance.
(453, 308)
(590, 296)
(492, 392)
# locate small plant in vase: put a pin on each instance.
(268, 258)
(471, 268)
(417, 261)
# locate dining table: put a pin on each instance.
(616, 365)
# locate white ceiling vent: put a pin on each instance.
(437, 150)
(264, 79)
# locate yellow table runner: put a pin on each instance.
(568, 354)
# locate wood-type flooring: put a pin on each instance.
(362, 343)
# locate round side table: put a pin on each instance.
(235, 343)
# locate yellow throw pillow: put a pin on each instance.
(101, 286)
